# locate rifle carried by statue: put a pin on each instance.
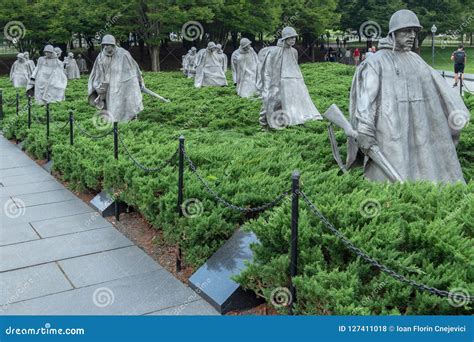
(336, 117)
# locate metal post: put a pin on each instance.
(444, 76)
(432, 49)
(17, 103)
(71, 127)
(460, 84)
(1, 104)
(47, 132)
(29, 111)
(116, 203)
(295, 188)
(180, 195)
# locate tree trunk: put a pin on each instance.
(155, 57)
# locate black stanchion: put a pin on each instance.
(71, 127)
(47, 132)
(460, 85)
(1, 104)
(29, 111)
(17, 103)
(444, 76)
(116, 203)
(295, 191)
(180, 195)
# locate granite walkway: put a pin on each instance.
(59, 257)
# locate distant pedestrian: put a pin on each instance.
(459, 58)
(356, 56)
(338, 41)
(344, 41)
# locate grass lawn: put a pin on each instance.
(443, 58)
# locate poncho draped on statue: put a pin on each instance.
(121, 76)
(413, 114)
(209, 70)
(71, 69)
(49, 81)
(285, 95)
(244, 71)
(82, 64)
(20, 74)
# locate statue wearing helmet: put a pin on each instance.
(189, 63)
(286, 100)
(48, 82)
(115, 83)
(19, 74)
(244, 62)
(210, 68)
(70, 67)
(403, 111)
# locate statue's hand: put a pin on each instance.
(365, 142)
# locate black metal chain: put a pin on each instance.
(60, 127)
(83, 131)
(227, 203)
(375, 263)
(143, 167)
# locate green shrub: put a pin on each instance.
(423, 231)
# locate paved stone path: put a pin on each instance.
(59, 257)
(468, 81)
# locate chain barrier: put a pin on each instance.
(143, 167)
(348, 244)
(226, 203)
(95, 137)
(60, 127)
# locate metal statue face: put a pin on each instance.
(290, 41)
(405, 38)
(48, 54)
(247, 48)
(109, 49)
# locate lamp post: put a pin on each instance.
(433, 32)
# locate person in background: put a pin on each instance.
(356, 56)
(459, 59)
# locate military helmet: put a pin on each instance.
(48, 48)
(403, 19)
(193, 49)
(20, 55)
(244, 42)
(108, 39)
(288, 32)
(211, 45)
